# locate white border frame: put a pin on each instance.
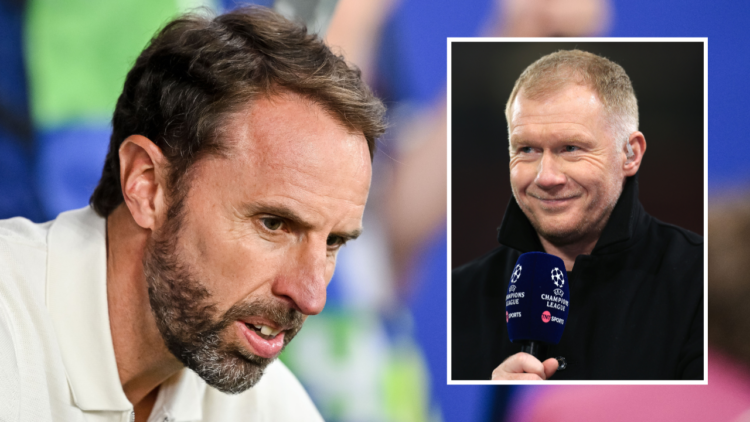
(704, 40)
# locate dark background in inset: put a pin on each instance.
(668, 82)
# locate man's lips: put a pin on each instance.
(555, 202)
(265, 346)
(263, 322)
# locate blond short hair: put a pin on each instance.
(607, 79)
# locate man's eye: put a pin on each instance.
(272, 223)
(526, 150)
(571, 148)
(335, 241)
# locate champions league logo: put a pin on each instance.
(558, 292)
(512, 288)
(557, 277)
(516, 273)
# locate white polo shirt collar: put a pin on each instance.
(77, 303)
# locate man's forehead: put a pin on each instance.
(568, 94)
(289, 129)
(290, 150)
(570, 107)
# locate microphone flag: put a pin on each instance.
(538, 299)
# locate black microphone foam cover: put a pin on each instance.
(538, 299)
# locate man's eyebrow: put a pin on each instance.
(282, 211)
(576, 139)
(516, 141)
(347, 236)
(288, 214)
(518, 137)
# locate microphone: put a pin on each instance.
(537, 302)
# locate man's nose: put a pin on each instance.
(549, 173)
(304, 280)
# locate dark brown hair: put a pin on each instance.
(198, 70)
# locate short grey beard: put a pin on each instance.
(184, 315)
(578, 233)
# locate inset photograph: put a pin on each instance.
(577, 211)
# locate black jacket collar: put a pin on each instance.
(517, 232)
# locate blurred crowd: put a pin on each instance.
(378, 351)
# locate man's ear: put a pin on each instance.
(142, 179)
(634, 154)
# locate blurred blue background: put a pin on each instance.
(62, 66)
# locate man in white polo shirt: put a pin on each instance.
(239, 164)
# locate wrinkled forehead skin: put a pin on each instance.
(573, 110)
(320, 156)
(563, 85)
(288, 149)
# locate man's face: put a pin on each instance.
(566, 170)
(248, 256)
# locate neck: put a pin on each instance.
(143, 360)
(568, 253)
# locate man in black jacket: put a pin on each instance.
(636, 284)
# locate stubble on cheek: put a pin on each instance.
(589, 221)
(190, 324)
